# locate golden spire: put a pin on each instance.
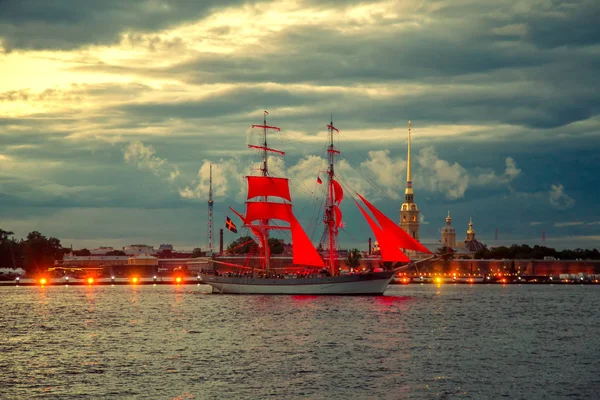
(448, 219)
(470, 230)
(408, 173)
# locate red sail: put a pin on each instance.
(245, 221)
(387, 225)
(268, 186)
(304, 251)
(390, 251)
(338, 216)
(261, 210)
(338, 192)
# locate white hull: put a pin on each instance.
(368, 284)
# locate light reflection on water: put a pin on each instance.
(418, 341)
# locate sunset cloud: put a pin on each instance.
(503, 96)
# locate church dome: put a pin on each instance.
(474, 245)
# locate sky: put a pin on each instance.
(111, 113)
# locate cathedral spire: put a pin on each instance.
(408, 171)
(409, 212)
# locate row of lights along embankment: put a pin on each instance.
(90, 280)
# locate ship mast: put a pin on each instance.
(329, 218)
(265, 172)
(210, 214)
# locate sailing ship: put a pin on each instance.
(269, 201)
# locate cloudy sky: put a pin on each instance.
(111, 112)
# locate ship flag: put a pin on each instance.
(230, 225)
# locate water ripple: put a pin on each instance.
(417, 342)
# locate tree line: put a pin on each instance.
(524, 252)
(34, 254)
(247, 244)
(37, 253)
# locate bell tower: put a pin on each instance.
(449, 234)
(409, 212)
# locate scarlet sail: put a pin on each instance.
(262, 210)
(338, 192)
(304, 252)
(268, 186)
(403, 239)
(390, 251)
(338, 216)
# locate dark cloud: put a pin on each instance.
(224, 103)
(529, 104)
(328, 56)
(524, 73)
(566, 23)
(68, 24)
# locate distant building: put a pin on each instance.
(69, 260)
(471, 243)
(143, 259)
(449, 234)
(137, 249)
(101, 250)
(167, 251)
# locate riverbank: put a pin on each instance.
(103, 281)
(198, 281)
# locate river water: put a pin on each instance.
(417, 342)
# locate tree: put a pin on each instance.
(445, 252)
(8, 247)
(82, 253)
(242, 245)
(40, 252)
(353, 259)
(4, 235)
(276, 245)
